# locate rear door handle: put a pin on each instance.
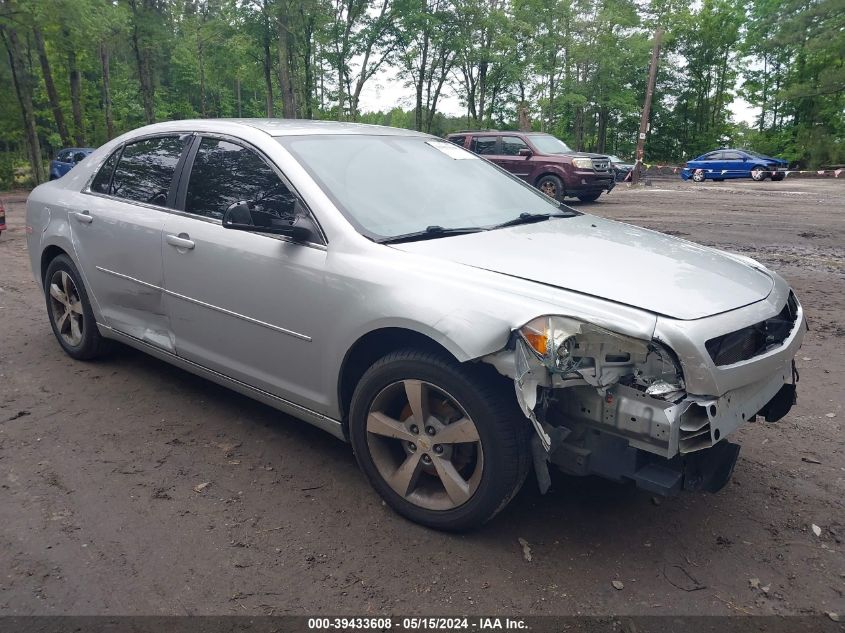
(84, 217)
(180, 241)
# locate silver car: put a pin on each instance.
(455, 325)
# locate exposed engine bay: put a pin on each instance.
(607, 404)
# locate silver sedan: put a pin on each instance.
(458, 327)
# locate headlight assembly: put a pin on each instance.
(574, 349)
(583, 163)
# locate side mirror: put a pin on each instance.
(247, 216)
(526, 152)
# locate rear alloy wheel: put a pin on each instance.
(440, 442)
(759, 173)
(552, 186)
(70, 312)
(698, 175)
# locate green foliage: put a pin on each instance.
(576, 67)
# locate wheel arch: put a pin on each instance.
(48, 255)
(551, 171)
(371, 346)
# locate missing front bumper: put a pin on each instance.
(612, 458)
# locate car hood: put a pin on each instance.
(610, 260)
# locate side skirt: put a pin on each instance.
(330, 425)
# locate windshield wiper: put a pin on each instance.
(430, 233)
(530, 218)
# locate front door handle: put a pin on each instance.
(84, 217)
(180, 241)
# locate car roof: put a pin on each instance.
(278, 127)
(496, 133)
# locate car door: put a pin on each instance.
(244, 304)
(117, 236)
(509, 158)
(734, 165)
(712, 164)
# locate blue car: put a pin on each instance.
(65, 160)
(734, 163)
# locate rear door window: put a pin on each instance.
(225, 173)
(146, 168)
(484, 145)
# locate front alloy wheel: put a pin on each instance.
(759, 173)
(442, 442)
(424, 445)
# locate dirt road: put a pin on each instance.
(99, 461)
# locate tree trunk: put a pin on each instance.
(268, 61)
(285, 81)
(602, 130)
(238, 92)
(23, 87)
(201, 64)
(76, 97)
(578, 131)
(308, 56)
(142, 59)
(524, 116)
(418, 113)
(52, 94)
(104, 62)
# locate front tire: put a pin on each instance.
(442, 443)
(759, 173)
(69, 311)
(698, 175)
(552, 186)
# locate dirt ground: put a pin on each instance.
(98, 464)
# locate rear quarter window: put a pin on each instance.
(102, 181)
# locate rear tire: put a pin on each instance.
(464, 462)
(589, 197)
(552, 186)
(69, 311)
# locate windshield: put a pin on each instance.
(548, 144)
(615, 159)
(388, 186)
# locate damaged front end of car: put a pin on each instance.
(611, 405)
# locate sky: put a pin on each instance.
(385, 91)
